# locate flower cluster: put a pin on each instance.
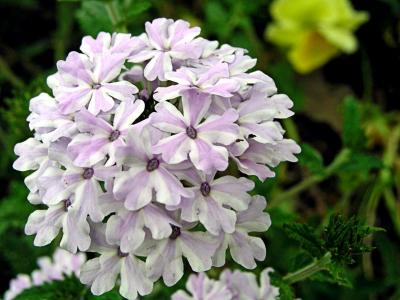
(63, 264)
(235, 285)
(131, 155)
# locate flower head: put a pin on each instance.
(132, 156)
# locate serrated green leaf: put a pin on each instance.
(353, 134)
(311, 159)
(305, 235)
(344, 239)
(93, 17)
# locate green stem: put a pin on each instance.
(340, 159)
(316, 266)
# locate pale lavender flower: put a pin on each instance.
(148, 173)
(215, 201)
(203, 288)
(211, 80)
(102, 272)
(17, 285)
(99, 138)
(60, 265)
(243, 285)
(47, 223)
(80, 81)
(199, 141)
(232, 285)
(117, 43)
(127, 228)
(47, 121)
(164, 257)
(257, 158)
(166, 40)
(33, 155)
(83, 182)
(245, 249)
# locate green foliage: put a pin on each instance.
(285, 290)
(14, 128)
(110, 15)
(14, 212)
(68, 289)
(361, 162)
(311, 159)
(306, 236)
(344, 239)
(93, 17)
(334, 273)
(285, 79)
(353, 134)
(14, 209)
(340, 241)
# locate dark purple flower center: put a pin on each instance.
(114, 135)
(67, 204)
(176, 231)
(152, 164)
(88, 173)
(121, 254)
(191, 132)
(205, 189)
(96, 86)
(144, 95)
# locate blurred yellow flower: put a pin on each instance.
(314, 31)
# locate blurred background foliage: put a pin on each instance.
(338, 61)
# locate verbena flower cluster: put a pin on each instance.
(234, 285)
(138, 155)
(63, 264)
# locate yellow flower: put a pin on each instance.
(314, 31)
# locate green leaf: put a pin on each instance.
(217, 19)
(93, 17)
(68, 289)
(285, 290)
(311, 159)
(353, 134)
(111, 295)
(361, 162)
(305, 235)
(133, 8)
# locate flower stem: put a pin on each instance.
(309, 270)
